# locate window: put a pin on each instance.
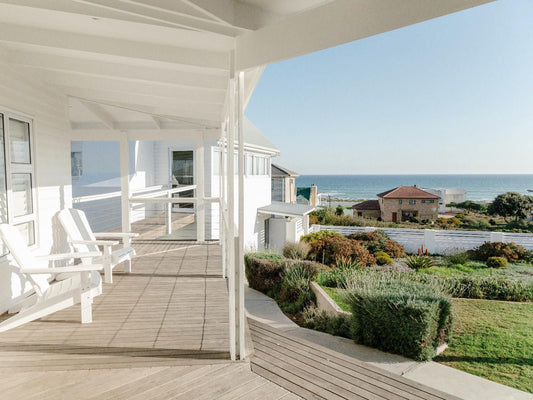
(400, 201)
(75, 164)
(249, 164)
(17, 196)
(412, 201)
(428, 201)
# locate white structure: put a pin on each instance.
(167, 164)
(171, 70)
(447, 196)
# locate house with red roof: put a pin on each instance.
(400, 204)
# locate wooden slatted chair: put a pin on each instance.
(80, 286)
(82, 238)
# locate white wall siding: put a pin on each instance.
(51, 132)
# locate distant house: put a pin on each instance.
(400, 204)
(405, 202)
(367, 209)
(447, 196)
(283, 184)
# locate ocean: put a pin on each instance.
(478, 187)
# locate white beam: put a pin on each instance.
(154, 134)
(192, 95)
(220, 10)
(102, 115)
(177, 76)
(116, 49)
(335, 23)
(156, 15)
(157, 121)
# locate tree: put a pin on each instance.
(511, 205)
(339, 210)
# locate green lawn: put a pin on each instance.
(494, 340)
(491, 339)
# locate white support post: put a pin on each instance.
(168, 215)
(239, 264)
(222, 202)
(125, 186)
(231, 213)
(200, 190)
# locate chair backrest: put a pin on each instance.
(23, 257)
(77, 228)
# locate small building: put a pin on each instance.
(447, 196)
(405, 202)
(367, 209)
(283, 184)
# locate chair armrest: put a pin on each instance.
(81, 268)
(111, 235)
(68, 256)
(96, 242)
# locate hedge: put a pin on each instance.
(265, 271)
(398, 315)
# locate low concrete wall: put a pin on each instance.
(324, 302)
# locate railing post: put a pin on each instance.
(200, 190)
(496, 236)
(168, 215)
(125, 186)
(429, 240)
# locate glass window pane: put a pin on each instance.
(3, 191)
(19, 136)
(27, 231)
(249, 164)
(22, 199)
(75, 164)
(216, 163)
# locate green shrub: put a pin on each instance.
(332, 248)
(510, 251)
(346, 263)
(296, 251)
(336, 277)
(496, 262)
(383, 258)
(480, 287)
(457, 258)
(264, 271)
(311, 237)
(320, 320)
(295, 293)
(376, 241)
(398, 315)
(417, 262)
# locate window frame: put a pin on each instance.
(20, 168)
(412, 202)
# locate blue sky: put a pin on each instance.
(450, 95)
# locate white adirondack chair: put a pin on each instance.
(82, 283)
(82, 238)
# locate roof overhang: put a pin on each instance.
(166, 64)
(286, 209)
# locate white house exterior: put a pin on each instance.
(150, 167)
(136, 71)
(447, 196)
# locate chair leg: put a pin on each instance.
(86, 299)
(127, 266)
(108, 273)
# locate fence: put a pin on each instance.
(436, 241)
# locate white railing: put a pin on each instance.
(436, 241)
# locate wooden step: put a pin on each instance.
(313, 371)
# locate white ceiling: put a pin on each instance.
(170, 59)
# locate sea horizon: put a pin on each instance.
(479, 187)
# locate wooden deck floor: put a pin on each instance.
(160, 332)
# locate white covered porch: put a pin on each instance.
(185, 69)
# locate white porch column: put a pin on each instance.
(239, 264)
(200, 190)
(231, 214)
(125, 185)
(222, 200)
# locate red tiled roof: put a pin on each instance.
(407, 192)
(367, 205)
